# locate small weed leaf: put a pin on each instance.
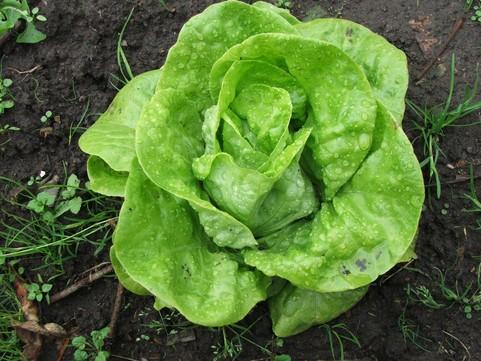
(46, 287)
(279, 342)
(72, 184)
(80, 355)
(7, 82)
(98, 337)
(79, 342)
(282, 358)
(102, 356)
(72, 205)
(42, 200)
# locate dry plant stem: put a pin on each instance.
(30, 71)
(62, 349)
(116, 309)
(82, 283)
(459, 180)
(457, 26)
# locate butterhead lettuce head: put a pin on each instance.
(264, 160)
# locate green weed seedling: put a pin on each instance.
(336, 335)
(10, 310)
(8, 128)
(472, 196)
(411, 332)
(54, 242)
(6, 100)
(46, 204)
(46, 117)
(477, 14)
(126, 73)
(468, 299)
(12, 11)
(39, 291)
(35, 179)
(285, 4)
(232, 344)
(282, 358)
(92, 348)
(433, 121)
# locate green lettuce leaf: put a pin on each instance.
(104, 179)
(294, 310)
(205, 38)
(112, 137)
(168, 140)
(384, 65)
(364, 231)
(124, 278)
(342, 120)
(161, 246)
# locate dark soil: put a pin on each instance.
(74, 65)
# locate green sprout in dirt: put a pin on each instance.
(468, 299)
(126, 73)
(48, 205)
(46, 117)
(39, 291)
(8, 128)
(472, 196)
(433, 121)
(411, 332)
(6, 99)
(284, 4)
(92, 348)
(10, 310)
(53, 241)
(169, 322)
(35, 179)
(336, 335)
(476, 17)
(232, 343)
(13, 11)
(75, 128)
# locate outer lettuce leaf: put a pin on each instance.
(277, 10)
(343, 106)
(112, 136)
(124, 278)
(160, 245)
(168, 140)
(384, 65)
(203, 40)
(364, 231)
(104, 179)
(294, 310)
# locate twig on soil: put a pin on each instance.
(457, 26)
(460, 342)
(384, 280)
(95, 268)
(459, 180)
(62, 349)
(80, 284)
(30, 71)
(116, 309)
